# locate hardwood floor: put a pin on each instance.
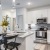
(47, 47)
(42, 47)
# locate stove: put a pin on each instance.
(41, 32)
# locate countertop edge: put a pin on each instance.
(26, 35)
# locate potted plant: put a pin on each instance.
(4, 24)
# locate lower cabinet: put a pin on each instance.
(48, 36)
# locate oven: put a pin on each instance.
(41, 34)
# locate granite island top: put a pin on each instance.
(22, 35)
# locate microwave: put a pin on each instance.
(41, 20)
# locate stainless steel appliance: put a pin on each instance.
(41, 20)
(41, 32)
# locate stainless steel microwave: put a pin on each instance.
(41, 20)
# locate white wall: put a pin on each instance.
(0, 19)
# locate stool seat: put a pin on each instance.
(11, 45)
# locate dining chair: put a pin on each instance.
(11, 45)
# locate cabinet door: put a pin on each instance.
(49, 16)
(33, 15)
(44, 12)
(48, 36)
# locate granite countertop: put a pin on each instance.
(26, 34)
(20, 34)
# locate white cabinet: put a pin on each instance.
(20, 22)
(49, 16)
(33, 15)
(44, 12)
(48, 36)
(21, 18)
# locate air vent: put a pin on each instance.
(18, 4)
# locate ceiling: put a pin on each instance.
(7, 4)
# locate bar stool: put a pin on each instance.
(10, 45)
(1, 41)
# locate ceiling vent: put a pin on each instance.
(18, 4)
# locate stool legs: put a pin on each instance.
(0, 47)
(5, 48)
(16, 48)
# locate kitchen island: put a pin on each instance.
(26, 40)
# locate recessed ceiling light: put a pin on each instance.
(29, 3)
(14, 1)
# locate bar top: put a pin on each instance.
(20, 34)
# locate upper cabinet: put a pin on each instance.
(21, 18)
(33, 15)
(49, 16)
(44, 13)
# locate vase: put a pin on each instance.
(4, 29)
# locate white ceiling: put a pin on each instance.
(7, 4)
